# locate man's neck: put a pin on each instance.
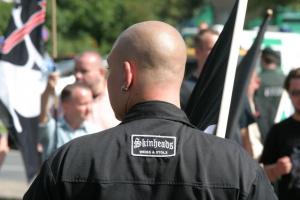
(158, 96)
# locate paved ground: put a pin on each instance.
(13, 182)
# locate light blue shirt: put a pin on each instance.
(52, 138)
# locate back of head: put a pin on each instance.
(270, 56)
(154, 46)
(203, 35)
(155, 54)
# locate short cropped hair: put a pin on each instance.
(293, 74)
(198, 39)
(271, 56)
(66, 93)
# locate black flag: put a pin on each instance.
(22, 81)
(243, 74)
(204, 104)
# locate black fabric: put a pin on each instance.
(204, 104)
(29, 7)
(186, 90)
(246, 117)
(101, 166)
(263, 119)
(282, 140)
(243, 73)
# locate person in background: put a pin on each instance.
(281, 153)
(155, 153)
(271, 86)
(89, 69)
(204, 42)
(76, 100)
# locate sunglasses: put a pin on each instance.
(295, 93)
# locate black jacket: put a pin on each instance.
(155, 153)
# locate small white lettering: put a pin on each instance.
(161, 152)
(153, 145)
(137, 143)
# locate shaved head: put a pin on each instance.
(153, 54)
(89, 70)
(153, 45)
(91, 57)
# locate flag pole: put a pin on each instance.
(231, 68)
(54, 56)
(242, 77)
(54, 30)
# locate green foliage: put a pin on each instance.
(270, 3)
(98, 23)
(95, 24)
(84, 23)
(5, 13)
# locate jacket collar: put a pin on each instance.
(158, 110)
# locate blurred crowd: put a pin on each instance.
(83, 107)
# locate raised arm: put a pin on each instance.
(45, 97)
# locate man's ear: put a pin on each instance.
(128, 68)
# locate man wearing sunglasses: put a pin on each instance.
(281, 154)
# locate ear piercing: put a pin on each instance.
(124, 88)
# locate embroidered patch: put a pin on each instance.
(153, 145)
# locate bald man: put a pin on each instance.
(155, 153)
(89, 70)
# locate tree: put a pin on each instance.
(5, 13)
(95, 24)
